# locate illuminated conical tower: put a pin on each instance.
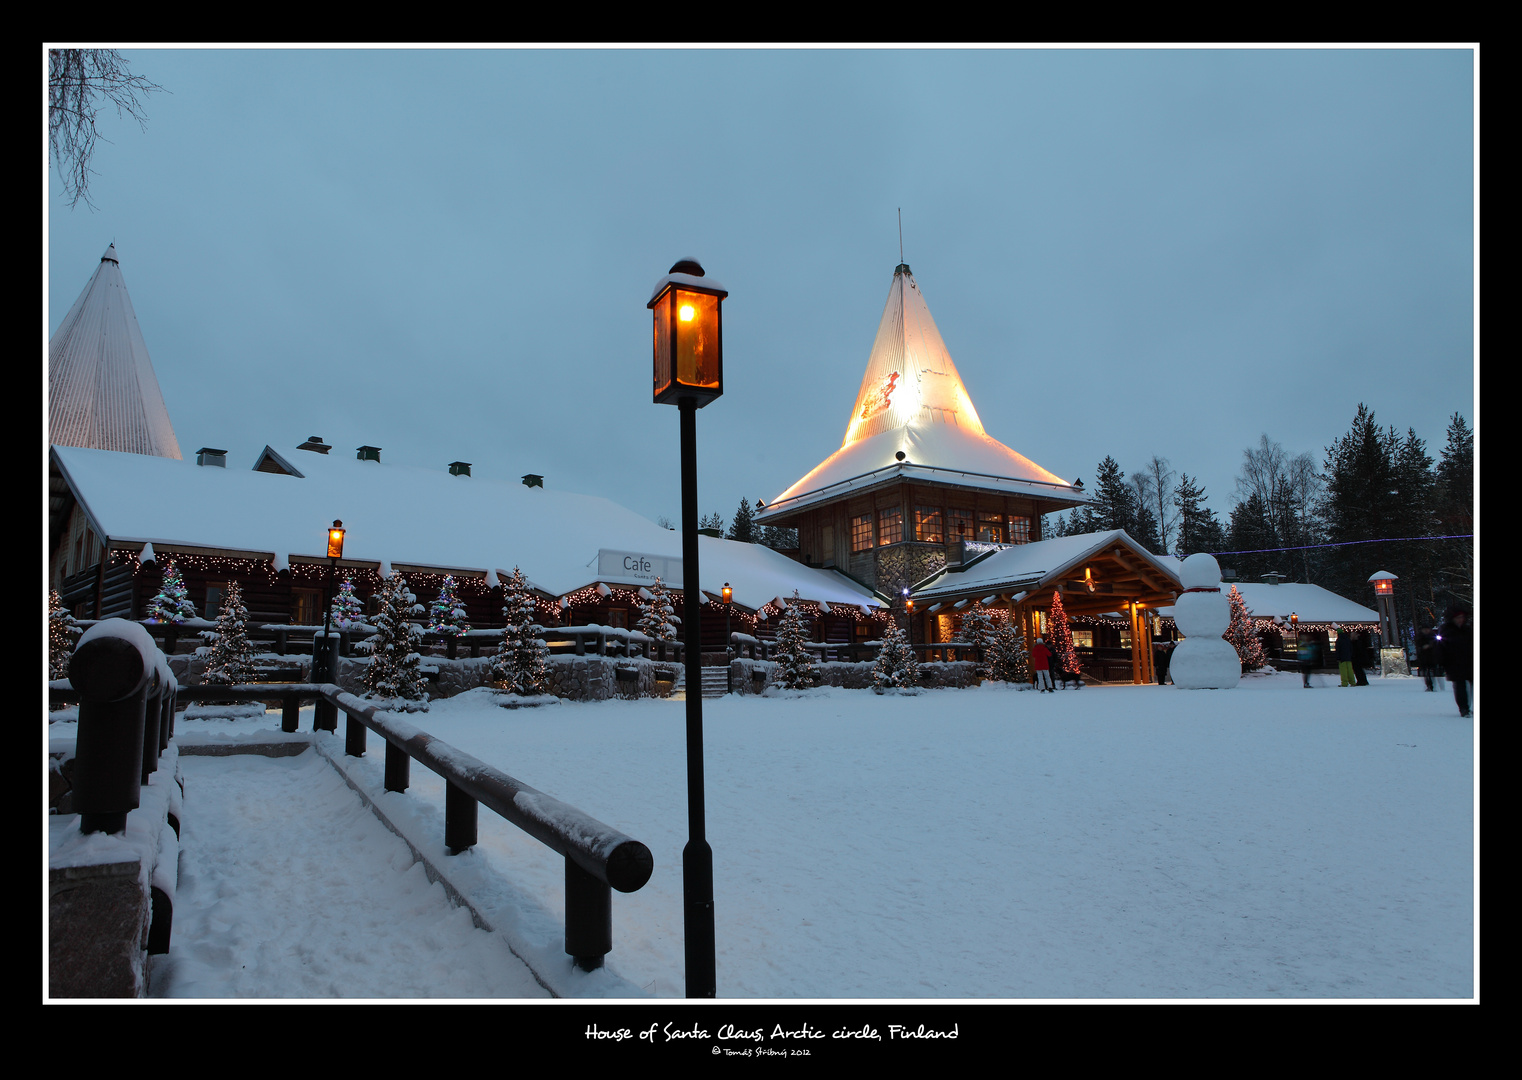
(916, 483)
(102, 392)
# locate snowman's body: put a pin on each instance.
(1204, 660)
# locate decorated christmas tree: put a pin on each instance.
(1059, 637)
(977, 629)
(896, 667)
(795, 667)
(446, 615)
(1007, 660)
(230, 658)
(348, 609)
(657, 617)
(60, 640)
(521, 665)
(1241, 634)
(395, 668)
(172, 603)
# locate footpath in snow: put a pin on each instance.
(291, 888)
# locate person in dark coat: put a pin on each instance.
(1344, 654)
(1427, 656)
(1456, 642)
(1363, 658)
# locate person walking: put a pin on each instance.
(1041, 664)
(1456, 641)
(1427, 656)
(1363, 658)
(1307, 652)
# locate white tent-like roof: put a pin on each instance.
(102, 392)
(913, 419)
(412, 517)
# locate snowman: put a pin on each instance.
(1204, 659)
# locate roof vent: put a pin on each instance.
(208, 456)
(1272, 578)
(902, 268)
(459, 468)
(689, 265)
(315, 443)
(369, 453)
(533, 480)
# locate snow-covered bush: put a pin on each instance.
(172, 603)
(521, 664)
(230, 656)
(60, 637)
(795, 666)
(348, 609)
(1007, 660)
(657, 615)
(897, 668)
(446, 615)
(395, 668)
(977, 629)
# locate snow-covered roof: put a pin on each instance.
(102, 391)
(1311, 603)
(1028, 567)
(410, 516)
(913, 419)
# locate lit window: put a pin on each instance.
(927, 524)
(991, 527)
(861, 533)
(1019, 529)
(890, 526)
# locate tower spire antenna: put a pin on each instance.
(900, 234)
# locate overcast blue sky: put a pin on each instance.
(447, 253)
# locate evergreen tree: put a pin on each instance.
(743, 528)
(1114, 505)
(1363, 500)
(1252, 534)
(795, 665)
(171, 604)
(1008, 661)
(1059, 637)
(778, 539)
(395, 668)
(1242, 636)
(60, 639)
(657, 615)
(1454, 497)
(521, 665)
(348, 609)
(713, 521)
(230, 658)
(1198, 529)
(977, 629)
(446, 615)
(897, 667)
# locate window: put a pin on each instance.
(306, 607)
(927, 524)
(619, 617)
(890, 526)
(991, 527)
(961, 525)
(213, 605)
(1083, 639)
(861, 532)
(1019, 529)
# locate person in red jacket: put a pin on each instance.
(1041, 664)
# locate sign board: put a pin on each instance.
(638, 568)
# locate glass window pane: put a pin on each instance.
(927, 525)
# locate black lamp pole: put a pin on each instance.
(325, 659)
(697, 856)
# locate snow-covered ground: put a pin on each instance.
(1114, 842)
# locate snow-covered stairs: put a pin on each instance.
(715, 681)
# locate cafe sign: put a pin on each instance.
(638, 568)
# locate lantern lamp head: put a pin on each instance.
(689, 335)
(336, 541)
(729, 594)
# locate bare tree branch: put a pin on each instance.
(82, 82)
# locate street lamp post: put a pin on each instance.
(689, 372)
(325, 657)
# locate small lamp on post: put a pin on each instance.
(689, 373)
(324, 656)
(909, 614)
(729, 598)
